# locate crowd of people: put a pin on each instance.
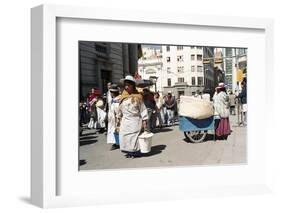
(129, 112)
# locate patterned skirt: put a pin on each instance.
(223, 127)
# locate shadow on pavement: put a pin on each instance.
(87, 142)
(87, 137)
(209, 137)
(82, 162)
(163, 129)
(154, 150)
(90, 133)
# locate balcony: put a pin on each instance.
(180, 84)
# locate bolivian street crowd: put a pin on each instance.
(128, 113)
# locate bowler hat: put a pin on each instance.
(128, 78)
(114, 88)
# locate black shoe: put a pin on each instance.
(133, 155)
(114, 146)
(128, 155)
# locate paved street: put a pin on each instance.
(169, 148)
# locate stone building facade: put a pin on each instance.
(103, 62)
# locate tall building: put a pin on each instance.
(223, 65)
(229, 68)
(150, 66)
(235, 66)
(182, 69)
(209, 71)
(100, 63)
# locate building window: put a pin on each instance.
(168, 69)
(180, 69)
(169, 82)
(199, 69)
(179, 47)
(199, 58)
(199, 48)
(168, 48)
(168, 59)
(192, 47)
(241, 51)
(200, 81)
(180, 93)
(101, 48)
(193, 81)
(180, 80)
(192, 57)
(192, 68)
(180, 58)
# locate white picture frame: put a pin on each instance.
(45, 152)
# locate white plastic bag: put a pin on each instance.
(91, 123)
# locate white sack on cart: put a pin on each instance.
(195, 108)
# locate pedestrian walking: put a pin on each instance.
(216, 114)
(170, 104)
(111, 115)
(91, 102)
(232, 103)
(101, 115)
(165, 114)
(159, 110)
(107, 100)
(221, 104)
(132, 118)
(83, 112)
(243, 100)
(149, 102)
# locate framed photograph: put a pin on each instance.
(117, 102)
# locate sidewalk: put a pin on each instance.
(170, 148)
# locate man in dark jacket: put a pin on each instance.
(149, 102)
(170, 104)
(243, 99)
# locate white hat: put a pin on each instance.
(128, 78)
(221, 84)
(114, 88)
(169, 92)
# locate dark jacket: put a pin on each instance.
(243, 95)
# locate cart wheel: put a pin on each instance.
(195, 136)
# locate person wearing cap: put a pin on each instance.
(221, 104)
(112, 112)
(132, 118)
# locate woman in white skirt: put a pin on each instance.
(132, 116)
(112, 112)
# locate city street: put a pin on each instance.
(169, 148)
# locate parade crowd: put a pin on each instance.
(127, 113)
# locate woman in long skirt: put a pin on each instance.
(222, 108)
(132, 116)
